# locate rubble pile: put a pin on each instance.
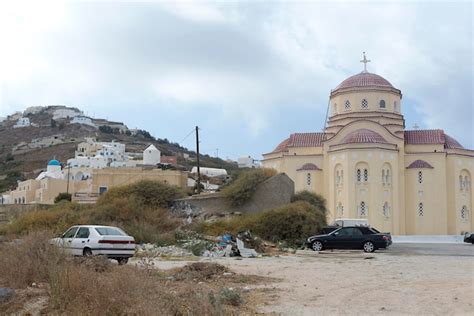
(164, 251)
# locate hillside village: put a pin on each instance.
(53, 149)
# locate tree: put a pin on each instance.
(64, 196)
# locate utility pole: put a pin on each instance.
(198, 181)
(67, 186)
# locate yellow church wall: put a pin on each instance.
(431, 192)
(459, 196)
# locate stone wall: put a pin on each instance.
(272, 193)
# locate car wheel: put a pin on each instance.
(369, 246)
(87, 252)
(122, 261)
(317, 245)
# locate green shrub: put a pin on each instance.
(64, 196)
(244, 186)
(291, 223)
(146, 192)
(312, 198)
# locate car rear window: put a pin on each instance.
(105, 231)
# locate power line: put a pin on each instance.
(192, 131)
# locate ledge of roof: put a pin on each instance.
(419, 164)
(309, 166)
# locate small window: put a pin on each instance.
(83, 232)
(70, 233)
(362, 209)
(308, 178)
(420, 176)
(359, 175)
(386, 210)
(347, 105)
(366, 175)
(464, 213)
(387, 176)
(364, 104)
(338, 178)
(102, 190)
(383, 176)
(420, 209)
(382, 104)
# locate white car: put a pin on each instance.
(88, 240)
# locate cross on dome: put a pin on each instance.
(365, 61)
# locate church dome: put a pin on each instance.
(363, 136)
(54, 162)
(364, 79)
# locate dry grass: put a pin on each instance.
(95, 286)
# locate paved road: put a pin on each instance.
(454, 249)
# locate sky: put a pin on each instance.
(247, 73)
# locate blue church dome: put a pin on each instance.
(53, 162)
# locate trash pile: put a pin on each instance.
(165, 251)
(228, 246)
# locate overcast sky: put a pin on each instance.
(247, 73)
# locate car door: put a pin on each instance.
(341, 239)
(356, 238)
(67, 238)
(80, 241)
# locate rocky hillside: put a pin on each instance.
(30, 139)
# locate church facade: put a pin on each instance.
(367, 165)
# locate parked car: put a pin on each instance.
(88, 240)
(469, 237)
(365, 238)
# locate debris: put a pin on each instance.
(165, 251)
(6, 294)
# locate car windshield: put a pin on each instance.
(109, 231)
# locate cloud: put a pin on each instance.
(248, 73)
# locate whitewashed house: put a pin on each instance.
(247, 162)
(83, 120)
(151, 155)
(22, 122)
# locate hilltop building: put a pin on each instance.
(22, 122)
(247, 162)
(84, 120)
(367, 165)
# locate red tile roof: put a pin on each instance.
(301, 140)
(364, 79)
(418, 164)
(431, 137)
(309, 166)
(363, 136)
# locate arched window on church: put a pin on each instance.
(387, 176)
(364, 104)
(386, 210)
(461, 183)
(382, 104)
(359, 175)
(342, 177)
(347, 105)
(464, 213)
(383, 176)
(467, 183)
(420, 209)
(420, 176)
(338, 179)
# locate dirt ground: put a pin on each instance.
(352, 282)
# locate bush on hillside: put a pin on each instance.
(139, 208)
(312, 198)
(244, 186)
(145, 193)
(64, 196)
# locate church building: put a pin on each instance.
(367, 165)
